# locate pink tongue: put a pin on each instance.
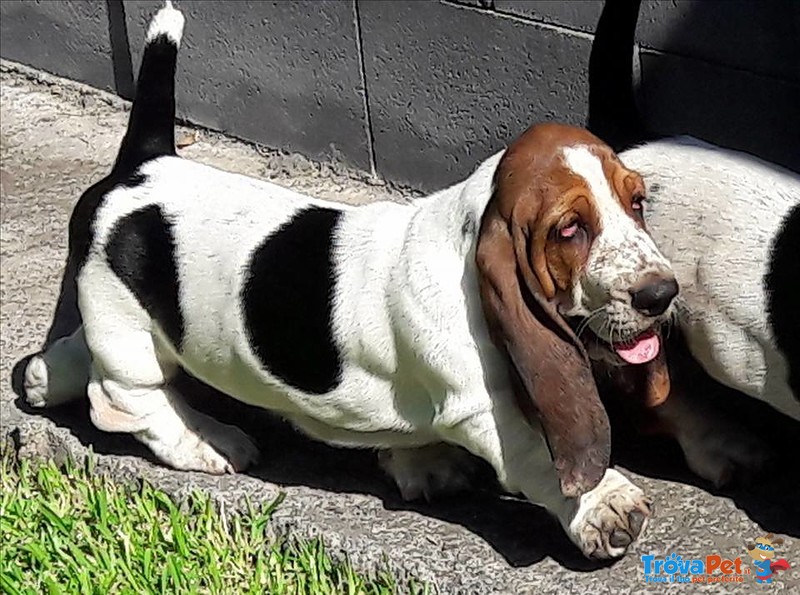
(640, 351)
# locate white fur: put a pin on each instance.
(167, 21)
(419, 367)
(715, 213)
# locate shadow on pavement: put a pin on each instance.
(289, 458)
(771, 499)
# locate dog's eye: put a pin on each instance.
(569, 231)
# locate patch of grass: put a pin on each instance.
(73, 530)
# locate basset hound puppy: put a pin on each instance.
(452, 321)
(730, 225)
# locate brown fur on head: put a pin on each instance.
(536, 238)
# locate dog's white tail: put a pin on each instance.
(151, 125)
(168, 22)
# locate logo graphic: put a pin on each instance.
(714, 568)
(763, 554)
(710, 569)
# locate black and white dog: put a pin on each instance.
(367, 326)
(728, 222)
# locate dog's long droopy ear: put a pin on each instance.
(554, 372)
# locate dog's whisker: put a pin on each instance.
(585, 324)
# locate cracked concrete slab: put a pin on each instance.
(59, 137)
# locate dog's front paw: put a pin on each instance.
(610, 517)
(716, 447)
(428, 471)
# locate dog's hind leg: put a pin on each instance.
(178, 435)
(60, 373)
(132, 362)
(136, 400)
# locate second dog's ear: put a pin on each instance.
(749, 546)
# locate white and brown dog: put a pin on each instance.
(730, 225)
(387, 326)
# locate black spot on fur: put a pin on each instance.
(81, 223)
(783, 294)
(141, 252)
(150, 134)
(288, 306)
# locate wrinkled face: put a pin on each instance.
(574, 217)
(562, 236)
(581, 211)
(613, 281)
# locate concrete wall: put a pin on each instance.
(420, 91)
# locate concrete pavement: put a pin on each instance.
(59, 137)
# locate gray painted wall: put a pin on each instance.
(420, 91)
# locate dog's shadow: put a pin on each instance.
(289, 458)
(771, 499)
(523, 534)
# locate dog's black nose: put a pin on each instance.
(653, 296)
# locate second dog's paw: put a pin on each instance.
(610, 517)
(237, 447)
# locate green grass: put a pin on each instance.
(73, 530)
